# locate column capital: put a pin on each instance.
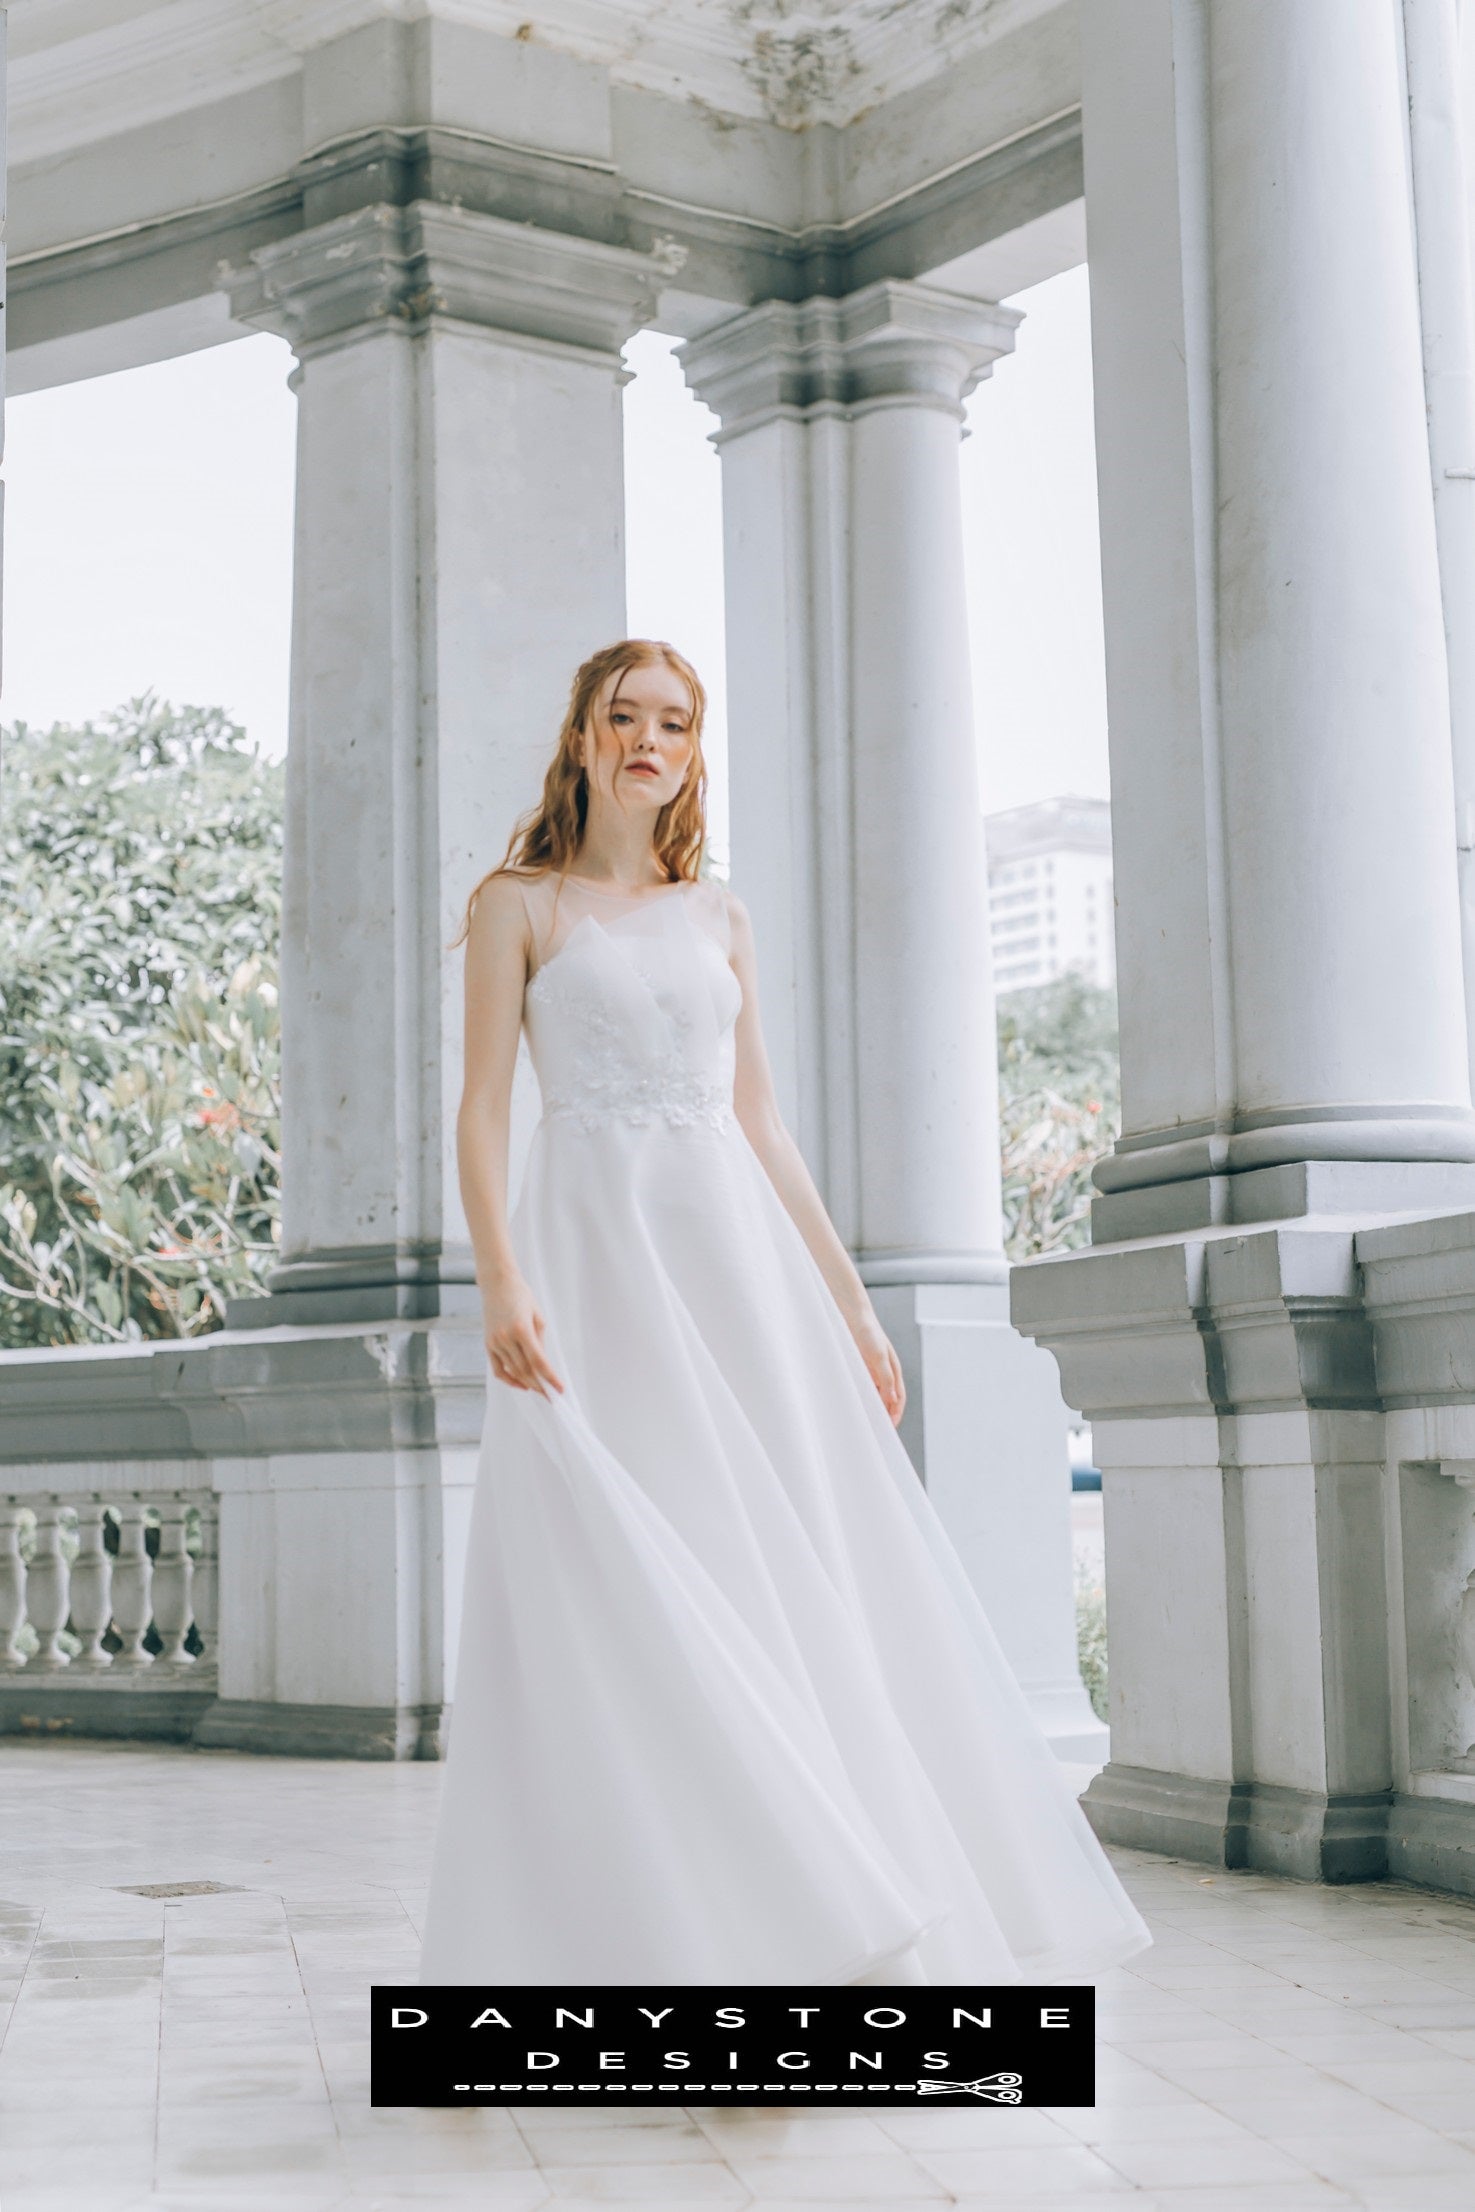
(890, 344)
(383, 266)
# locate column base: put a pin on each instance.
(1286, 1192)
(154, 1707)
(367, 1283)
(179, 1711)
(1276, 1830)
(1431, 1840)
(346, 1305)
(324, 1731)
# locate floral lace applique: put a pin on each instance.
(608, 1088)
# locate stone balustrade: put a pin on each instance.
(107, 1601)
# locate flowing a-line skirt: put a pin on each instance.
(726, 1706)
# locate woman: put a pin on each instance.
(726, 1707)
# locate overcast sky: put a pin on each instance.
(148, 522)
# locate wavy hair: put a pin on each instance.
(548, 836)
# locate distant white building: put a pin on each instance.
(1050, 896)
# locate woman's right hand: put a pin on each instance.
(514, 1337)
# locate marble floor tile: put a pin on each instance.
(295, 2154)
(1191, 2123)
(400, 2158)
(1459, 2042)
(1385, 2153)
(633, 2117)
(1300, 2196)
(1356, 2043)
(683, 2145)
(754, 2133)
(1024, 2174)
(1428, 2070)
(65, 2166)
(1078, 2200)
(887, 2177)
(1195, 2055)
(566, 2203)
(244, 2120)
(1318, 2108)
(499, 2186)
(1276, 2081)
(1447, 2114)
(664, 2186)
(1235, 2161)
(1283, 2048)
(1429, 2193)
(921, 2130)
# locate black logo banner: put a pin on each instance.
(639, 2046)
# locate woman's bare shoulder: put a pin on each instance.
(737, 914)
(501, 907)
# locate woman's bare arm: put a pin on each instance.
(497, 951)
(758, 1112)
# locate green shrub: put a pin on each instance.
(1059, 1109)
(140, 874)
(1091, 1635)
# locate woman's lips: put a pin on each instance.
(639, 768)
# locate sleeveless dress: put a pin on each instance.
(726, 1707)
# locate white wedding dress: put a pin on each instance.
(726, 1707)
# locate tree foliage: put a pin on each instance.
(1091, 1649)
(1059, 1109)
(140, 873)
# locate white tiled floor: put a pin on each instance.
(1281, 2047)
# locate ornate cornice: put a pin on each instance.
(776, 61)
(383, 265)
(888, 342)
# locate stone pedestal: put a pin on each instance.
(1236, 1419)
(1419, 1287)
(337, 1465)
(857, 844)
(1288, 932)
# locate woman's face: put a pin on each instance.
(640, 746)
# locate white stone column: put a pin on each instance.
(926, 1051)
(1287, 917)
(1439, 167)
(3, 172)
(1288, 933)
(459, 550)
(857, 844)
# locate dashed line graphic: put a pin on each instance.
(676, 2088)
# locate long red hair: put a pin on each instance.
(549, 834)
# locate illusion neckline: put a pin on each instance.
(651, 890)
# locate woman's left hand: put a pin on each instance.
(881, 1362)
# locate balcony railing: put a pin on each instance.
(106, 1596)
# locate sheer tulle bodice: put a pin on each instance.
(726, 1707)
(630, 1011)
